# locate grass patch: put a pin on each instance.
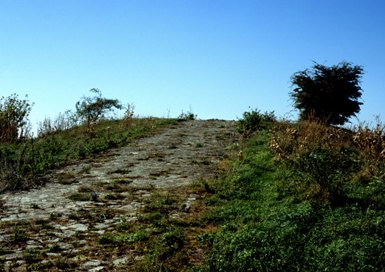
(292, 202)
(122, 238)
(81, 196)
(123, 181)
(66, 178)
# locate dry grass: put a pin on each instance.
(330, 159)
(295, 139)
(371, 145)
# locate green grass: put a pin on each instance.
(266, 225)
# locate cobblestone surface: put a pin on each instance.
(87, 199)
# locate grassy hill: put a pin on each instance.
(300, 197)
(289, 197)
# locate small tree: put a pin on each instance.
(14, 114)
(92, 109)
(328, 94)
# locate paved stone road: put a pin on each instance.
(118, 181)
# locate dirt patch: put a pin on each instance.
(87, 200)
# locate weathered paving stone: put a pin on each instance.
(96, 269)
(90, 264)
(120, 261)
(167, 161)
(78, 227)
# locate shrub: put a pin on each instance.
(13, 118)
(325, 173)
(329, 94)
(61, 123)
(92, 109)
(188, 116)
(253, 121)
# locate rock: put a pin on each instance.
(100, 226)
(120, 261)
(11, 257)
(96, 269)
(91, 264)
(78, 227)
(139, 258)
(100, 232)
(64, 219)
(52, 254)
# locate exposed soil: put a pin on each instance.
(65, 219)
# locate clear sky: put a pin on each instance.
(216, 58)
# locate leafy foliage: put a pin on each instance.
(253, 121)
(326, 171)
(188, 116)
(328, 94)
(13, 118)
(92, 109)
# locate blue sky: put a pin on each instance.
(216, 58)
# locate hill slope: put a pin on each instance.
(70, 222)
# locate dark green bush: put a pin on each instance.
(188, 116)
(253, 121)
(329, 169)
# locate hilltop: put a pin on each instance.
(259, 194)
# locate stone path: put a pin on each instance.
(86, 200)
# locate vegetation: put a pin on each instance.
(328, 94)
(23, 164)
(13, 118)
(253, 121)
(302, 197)
(91, 109)
(70, 137)
(188, 116)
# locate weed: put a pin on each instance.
(155, 216)
(35, 206)
(66, 178)
(81, 196)
(160, 201)
(120, 171)
(115, 196)
(188, 116)
(198, 145)
(121, 238)
(123, 181)
(19, 234)
(64, 263)
(55, 249)
(33, 258)
(168, 244)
